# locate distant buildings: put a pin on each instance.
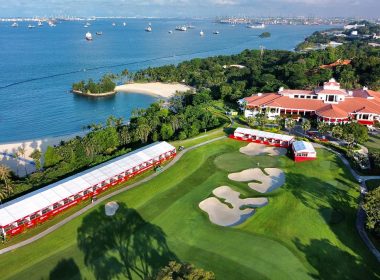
(330, 104)
(353, 26)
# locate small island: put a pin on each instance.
(265, 35)
(105, 87)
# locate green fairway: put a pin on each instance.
(306, 231)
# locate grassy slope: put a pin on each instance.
(307, 229)
(373, 143)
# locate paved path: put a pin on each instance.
(100, 200)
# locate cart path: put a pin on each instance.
(103, 198)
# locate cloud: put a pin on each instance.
(190, 7)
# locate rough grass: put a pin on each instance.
(306, 231)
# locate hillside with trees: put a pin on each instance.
(365, 35)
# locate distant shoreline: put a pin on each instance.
(158, 89)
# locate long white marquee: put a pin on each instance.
(38, 200)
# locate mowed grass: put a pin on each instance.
(373, 143)
(307, 230)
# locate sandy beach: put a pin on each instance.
(24, 164)
(157, 89)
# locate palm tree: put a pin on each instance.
(36, 156)
(5, 176)
(290, 123)
(16, 155)
(22, 153)
(306, 125)
(323, 127)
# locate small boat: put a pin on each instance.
(216, 32)
(51, 23)
(124, 23)
(99, 33)
(256, 26)
(170, 31)
(15, 24)
(181, 28)
(85, 26)
(201, 33)
(88, 36)
(31, 26)
(190, 26)
(40, 24)
(149, 28)
(113, 24)
(88, 24)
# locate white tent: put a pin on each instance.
(38, 200)
(241, 131)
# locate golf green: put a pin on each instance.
(306, 231)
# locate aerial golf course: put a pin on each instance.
(306, 230)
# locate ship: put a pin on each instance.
(40, 23)
(216, 32)
(181, 28)
(256, 26)
(31, 26)
(201, 33)
(149, 28)
(88, 36)
(15, 24)
(99, 33)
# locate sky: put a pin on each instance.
(191, 8)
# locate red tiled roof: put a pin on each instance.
(296, 103)
(297, 91)
(332, 111)
(358, 104)
(374, 94)
(331, 84)
(336, 63)
(261, 100)
(331, 91)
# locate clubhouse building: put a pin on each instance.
(38, 206)
(330, 104)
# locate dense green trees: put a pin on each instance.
(371, 206)
(6, 187)
(269, 71)
(106, 84)
(178, 271)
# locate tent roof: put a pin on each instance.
(265, 134)
(56, 192)
(302, 146)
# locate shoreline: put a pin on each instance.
(157, 89)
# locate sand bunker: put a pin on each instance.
(221, 214)
(247, 175)
(253, 149)
(111, 208)
(270, 182)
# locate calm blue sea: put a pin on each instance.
(39, 65)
